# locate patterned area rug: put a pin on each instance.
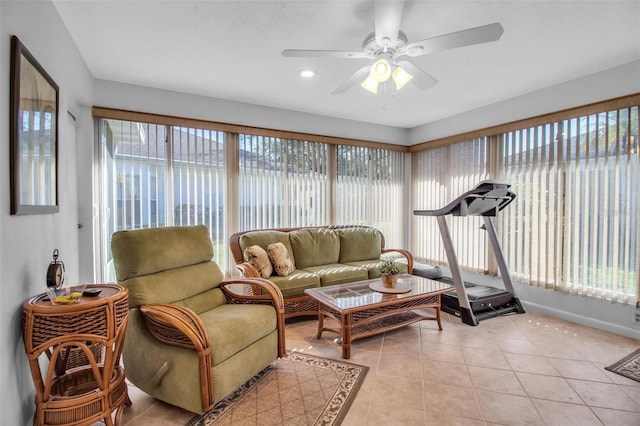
(298, 390)
(629, 366)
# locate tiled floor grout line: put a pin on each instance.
(529, 397)
(422, 372)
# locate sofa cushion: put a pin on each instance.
(231, 328)
(279, 257)
(258, 257)
(359, 244)
(264, 238)
(296, 283)
(337, 273)
(314, 246)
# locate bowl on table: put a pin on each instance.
(65, 295)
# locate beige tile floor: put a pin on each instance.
(527, 369)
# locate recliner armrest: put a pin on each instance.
(176, 326)
(180, 326)
(273, 297)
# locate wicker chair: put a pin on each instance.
(193, 337)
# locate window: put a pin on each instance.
(573, 227)
(574, 224)
(198, 175)
(156, 175)
(441, 175)
(283, 182)
(135, 169)
(370, 190)
(174, 173)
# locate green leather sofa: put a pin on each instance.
(322, 255)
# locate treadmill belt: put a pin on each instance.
(481, 298)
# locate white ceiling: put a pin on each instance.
(232, 50)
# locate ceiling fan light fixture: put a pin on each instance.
(387, 44)
(400, 77)
(380, 70)
(370, 84)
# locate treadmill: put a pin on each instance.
(474, 302)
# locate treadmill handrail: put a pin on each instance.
(485, 199)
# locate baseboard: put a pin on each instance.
(583, 320)
(611, 317)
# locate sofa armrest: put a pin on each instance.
(180, 326)
(272, 297)
(407, 254)
(247, 270)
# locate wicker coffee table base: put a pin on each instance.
(375, 319)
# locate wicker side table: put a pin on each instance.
(83, 381)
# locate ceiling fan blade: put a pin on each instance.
(292, 53)
(420, 78)
(356, 77)
(387, 15)
(477, 35)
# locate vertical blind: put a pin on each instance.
(439, 176)
(156, 175)
(370, 190)
(159, 175)
(197, 182)
(283, 182)
(574, 224)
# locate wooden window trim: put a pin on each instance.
(594, 108)
(167, 120)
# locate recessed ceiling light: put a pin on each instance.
(307, 73)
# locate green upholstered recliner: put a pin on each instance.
(191, 339)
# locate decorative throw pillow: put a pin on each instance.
(258, 257)
(280, 259)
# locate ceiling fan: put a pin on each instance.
(388, 47)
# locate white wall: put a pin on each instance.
(611, 83)
(137, 98)
(608, 84)
(27, 241)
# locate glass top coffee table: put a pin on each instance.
(361, 311)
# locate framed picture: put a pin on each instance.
(33, 135)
